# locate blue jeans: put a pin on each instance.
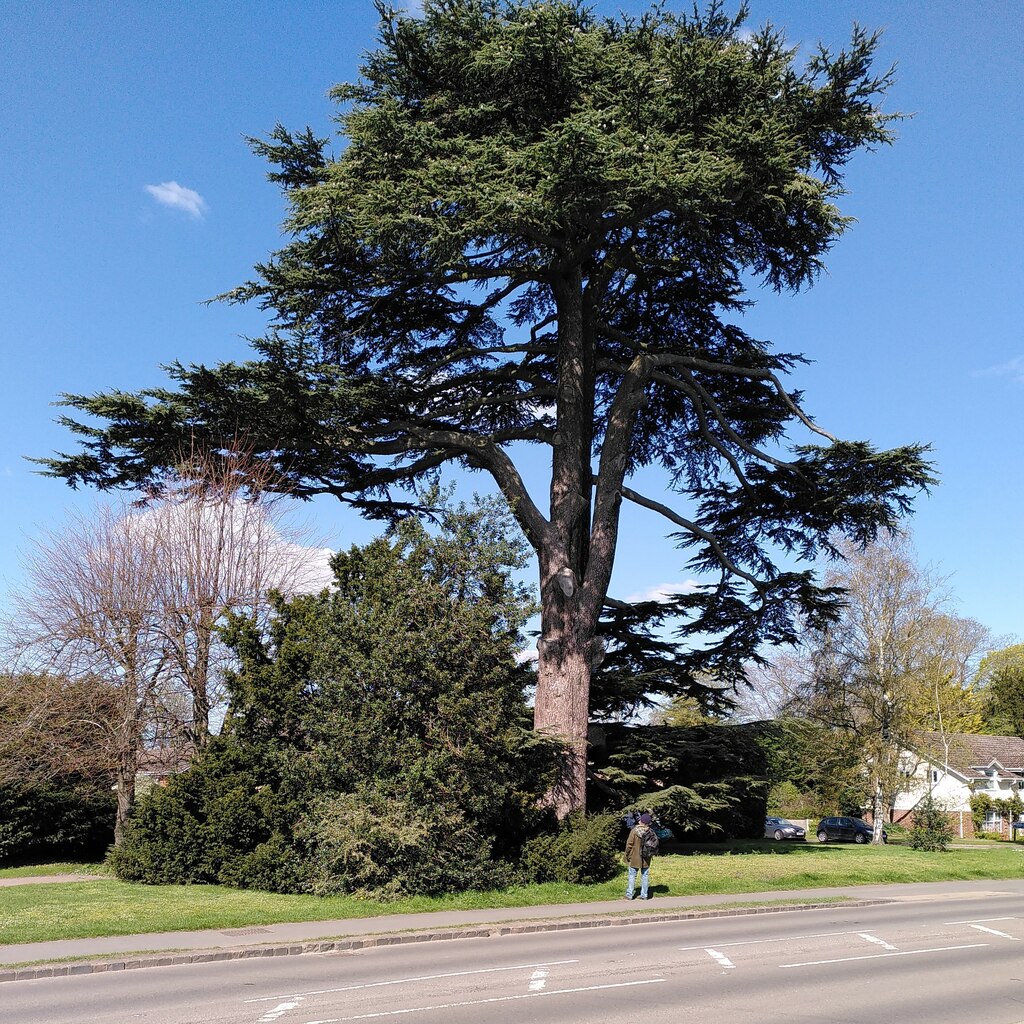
(631, 884)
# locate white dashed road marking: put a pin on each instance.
(481, 1002)
(538, 980)
(721, 958)
(982, 920)
(876, 939)
(992, 931)
(407, 981)
(278, 1011)
(881, 956)
(759, 942)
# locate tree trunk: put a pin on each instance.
(562, 703)
(568, 618)
(877, 813)
(127, 767)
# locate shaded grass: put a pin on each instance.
(60, 868)
(35, 913)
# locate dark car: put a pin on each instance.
(847, 830)
(779, 828)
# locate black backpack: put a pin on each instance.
(648, 842)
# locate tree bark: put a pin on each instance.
(568, 626)
(127, 768)
(575, 569)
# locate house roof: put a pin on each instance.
(971, 754)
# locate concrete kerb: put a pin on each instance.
(346, 945)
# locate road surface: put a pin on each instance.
(956, 959)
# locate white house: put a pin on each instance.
(957, 766)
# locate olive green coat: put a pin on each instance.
(634, 844)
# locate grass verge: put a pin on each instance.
(37, 913)
(64, 868)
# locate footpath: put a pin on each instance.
(158, 949)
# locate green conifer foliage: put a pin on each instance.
(538, 231)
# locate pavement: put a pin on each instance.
(157, 949)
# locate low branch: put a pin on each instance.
(699, 531)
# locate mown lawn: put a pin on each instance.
(34, 913)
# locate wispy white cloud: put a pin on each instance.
(1012, 368)
(170, 193)
(664, 592)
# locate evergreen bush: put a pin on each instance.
(377, 740)
(931, 830)
(66, 819)
(582, 850)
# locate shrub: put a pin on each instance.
(68, 819)
(896, 831)
(583, 850)
(368, 844)
(208, 824)
(376, 742)
(990, 835)
(273, 866)
(931, 831)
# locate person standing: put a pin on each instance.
(640, 848)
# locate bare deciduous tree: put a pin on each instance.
(225, 543)
(91, 610)
(896, 663)
(131, 599)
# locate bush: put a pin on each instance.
(376, 742)
(212, 824)
(990, 835)
(368, 844)
(896, 831)
(931, 831)
(583, 851)
(69, 819)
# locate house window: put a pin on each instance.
(993, 820)
(935, 775)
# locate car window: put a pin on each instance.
(772, 821)
(845, 822)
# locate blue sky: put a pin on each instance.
(129, 196)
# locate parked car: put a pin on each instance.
(780, 828)
(847, 830)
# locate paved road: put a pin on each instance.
(952, 959)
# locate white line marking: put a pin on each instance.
(758, 942)
(720, 957)
(876, 940)
(481, 1002)
(407, 981)
(992, 931)
(278, 1011)
(981, 920)
(538, 980)
(881, 956)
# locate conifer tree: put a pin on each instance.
(538, 232)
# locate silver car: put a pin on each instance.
(780, 828)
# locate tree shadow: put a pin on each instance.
(768, 847)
